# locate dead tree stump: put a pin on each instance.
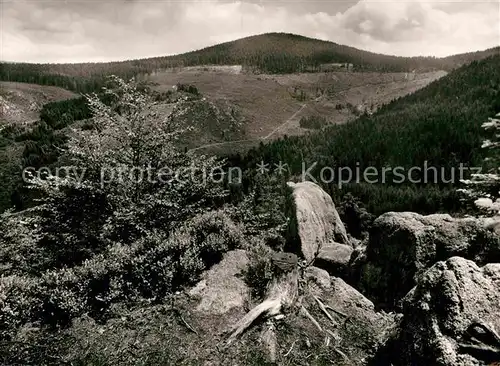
(281, 294)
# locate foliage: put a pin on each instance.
(437, 130)
(191, 89)
(102, 239)
(313, 122)
(485, 186)
(60, 114)
(210, 121)
(40, 146)
(92, 242)
(9, 173)
(355, 217)
(149, 269)
(264, 210)
(121, 180)
(259, 272)
(18, 233)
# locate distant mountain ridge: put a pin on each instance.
(276, 53)
(438, 126)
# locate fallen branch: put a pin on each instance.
(343, 355)
(482, 341)
(336, 311)
(323, 309)
(185, 322)
(269, 307)
(478, 347)
(311, 318)
(290, 350)
(334, 336)
(269, 339)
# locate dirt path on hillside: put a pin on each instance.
(290, 119)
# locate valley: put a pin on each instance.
(269, 106)
(272, 105)
(102, 265)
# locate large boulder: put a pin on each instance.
(335, 258)
(402, 245)
(452, 317)
(319, 226)
(222, 287)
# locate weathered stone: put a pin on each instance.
(403, 245)
(361, 331)
(439, 314)
(318, 276)
(334, 258)
(319, 224)
(220, 289)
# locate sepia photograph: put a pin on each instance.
(251, 182)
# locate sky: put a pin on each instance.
(105, 30)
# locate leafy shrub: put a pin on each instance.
(357, 220)
(62, 113)
(19, 253)
(152, 268)
(87, 245)
(263, 210)
(99, 196)
(259, 271)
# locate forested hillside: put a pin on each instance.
(438, 126)
(115, 260)
(40, 144)
(269, 53)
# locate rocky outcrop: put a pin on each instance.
(318, 277)
(403, 245)
(450, 305)
(221, 289)
(342, 325)
(320, 229)
(360, 330)
(452, 317)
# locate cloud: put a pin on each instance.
(421, 27)
(75, 31)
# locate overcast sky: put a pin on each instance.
(104, 30)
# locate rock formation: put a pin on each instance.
(221, 289)
(402, 245)
(323, 236)
(452, 316)
(425, 267)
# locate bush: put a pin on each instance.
(150, 269)
(264, 210)
(191, 89)
(89, 245)
(355, 217)
(259, 271)
(82, 211)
